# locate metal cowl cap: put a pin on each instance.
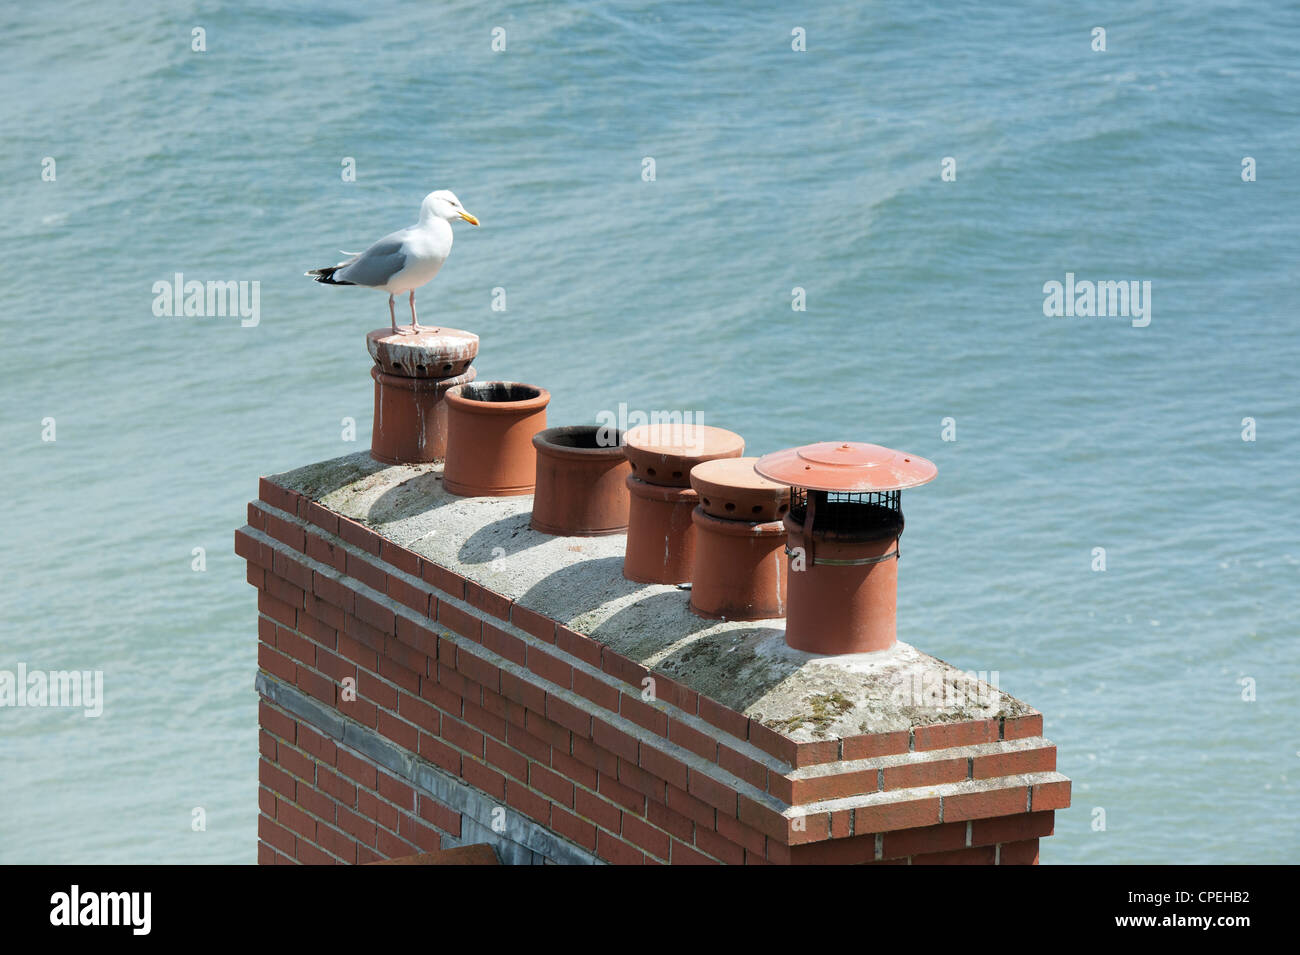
(847, 467)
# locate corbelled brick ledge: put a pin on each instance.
(433, 673)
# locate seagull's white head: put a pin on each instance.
(443, 204)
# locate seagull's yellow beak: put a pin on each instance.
(469, 218)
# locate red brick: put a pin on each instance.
(573, 828)
(266, 745)
(665, 767)
(612, 789)
(275, 835)
(295, 820)
(478, 670)
(724, 719)
(668, 690)
(1018, 853)
(1024, 826)
(277, 495)
(532, 622)
(357, 826)
(281, 724)
(401, 558)
(277, 780)
(645, 836)
(531, 804)
(504, 644)
(424, 716)
(550, 667)
(617, 852)
(391, 847)
(370, 574)
(982, 805)
(579, 645)
(358, 770)
(601, 812)
(296, 646)
(568, 716)
(335, 785)
(322, 517)
(317, 803)
(286, 532)
(372, 807)
(687, 855)
(975, 856)
(528, 744)
(834, 786)
(643, 714)
(439, 753)
(489, 601)
(614, 740)
(947, 735)
(550, 783)
(448, 581)
(418, 637)
(277, 610)
(1014, 763)
(603, 694)
(334, 592)
(266, 801)
(402, 666)
(690, 807)
(773, 743)
(1051, 795)
(733, 830)
(376, 615)
(932, 773)
(810, 827)
(328, 614)
(508, 760)
(634, 777)
(256, 516)
(320, 633)
(738, 764)
(440, 816)
(715, 845)
(908, 842)
(690, 738)
(462, 736)
(459, 622)
(886, 817)
(522, 692)
(571, 768)
(481, 719)
(294, 571)
(671, 822)
(621, 668)
(299, 764)
(409, 596)
(377, 690)
(285, 592)
(359, 536)
(337, 843)
(1022, 727)
(711, 791)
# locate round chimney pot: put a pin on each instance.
(660, 533)
(581, 482)
(410, 424)
(430, 353)
(664, 453)
(490, 428)
(731, 489)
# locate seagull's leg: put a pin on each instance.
(415, 324)
(392, 315)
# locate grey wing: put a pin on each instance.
(377, 264)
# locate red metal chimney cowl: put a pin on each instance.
(844, 525)
(412, 373)
(660, 532)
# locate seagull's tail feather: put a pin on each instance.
(326, 275)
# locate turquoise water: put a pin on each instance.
(774, 169)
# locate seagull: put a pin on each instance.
(404, 260)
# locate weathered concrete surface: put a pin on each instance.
(743, 664)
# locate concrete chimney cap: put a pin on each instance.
(851, 467)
